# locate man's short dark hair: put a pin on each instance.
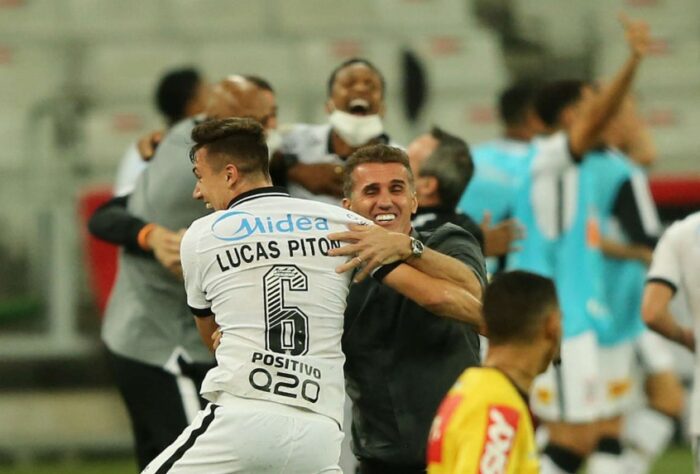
(451, 164)
(240, 141)
(175, 89)
(554, 97)
(514, 102)
(515, 305)
(352, 62)
(259, 82)
(379, 153)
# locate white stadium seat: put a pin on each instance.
(130, 70)
(674, 121)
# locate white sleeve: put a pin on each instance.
(666, 263)
(553, 154)
(189, 257)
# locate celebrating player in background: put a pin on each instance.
(259, 270)
(484, 424)
(674, 268)
(562, 240)
(312, 156)
(630, 228)
(490, 195)
(181, 93)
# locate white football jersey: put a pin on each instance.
(262, 268)
(676, 263)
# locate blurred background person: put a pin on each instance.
(562, 240)
(499, 163)
(312, 156)
(181, 93)
(155, 351)
(443, 167)
(673, 269)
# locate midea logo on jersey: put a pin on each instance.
(238, 225)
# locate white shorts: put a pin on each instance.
(238, 435)
(571, 392)
(616, 364)
(654, 352)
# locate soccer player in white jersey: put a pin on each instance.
(258, 270)
(674, 268)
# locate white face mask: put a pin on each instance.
(356, 130)
(274, 140)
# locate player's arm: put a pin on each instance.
(614, 249)
(439, 297)
(112, 222)
(442, 284)
(586, 132)
(373, 247)
(208, 331)
(663, 279)
(657, 315)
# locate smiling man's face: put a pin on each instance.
(357, 90)
(383, 193)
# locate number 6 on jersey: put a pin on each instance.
(286, 327)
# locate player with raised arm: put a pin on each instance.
(562, 241)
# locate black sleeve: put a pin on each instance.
(279, 166)
(627, 212)
(456, 242)
(113, 223)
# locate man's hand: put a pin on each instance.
(148, 143)
(637, 35)
(498, 239)
(216, 339)
(371, 247)
(319, 178)
(166, 247)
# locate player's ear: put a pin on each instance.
(231, 174)
(346, 204)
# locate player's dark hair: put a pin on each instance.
(451, 164)
(175, 89)
(352, 62)
(259, 82)
(554, 97)
(515, 304)
(240, 141)
(378, 153)
(514, 102)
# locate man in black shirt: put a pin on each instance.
(443, 167)
(404, 347)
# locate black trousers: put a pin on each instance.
(373, 466)
(154, 402)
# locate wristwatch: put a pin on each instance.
(417, 247)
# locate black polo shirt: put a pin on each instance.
(401, 360)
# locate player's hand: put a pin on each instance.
(498, 239)
(370, 246)
(166, 248)
(637, 35)
(216, 339)
(148, 143)
(319, 178)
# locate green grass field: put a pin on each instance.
(675, 461)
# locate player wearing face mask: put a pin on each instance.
(311, 158)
